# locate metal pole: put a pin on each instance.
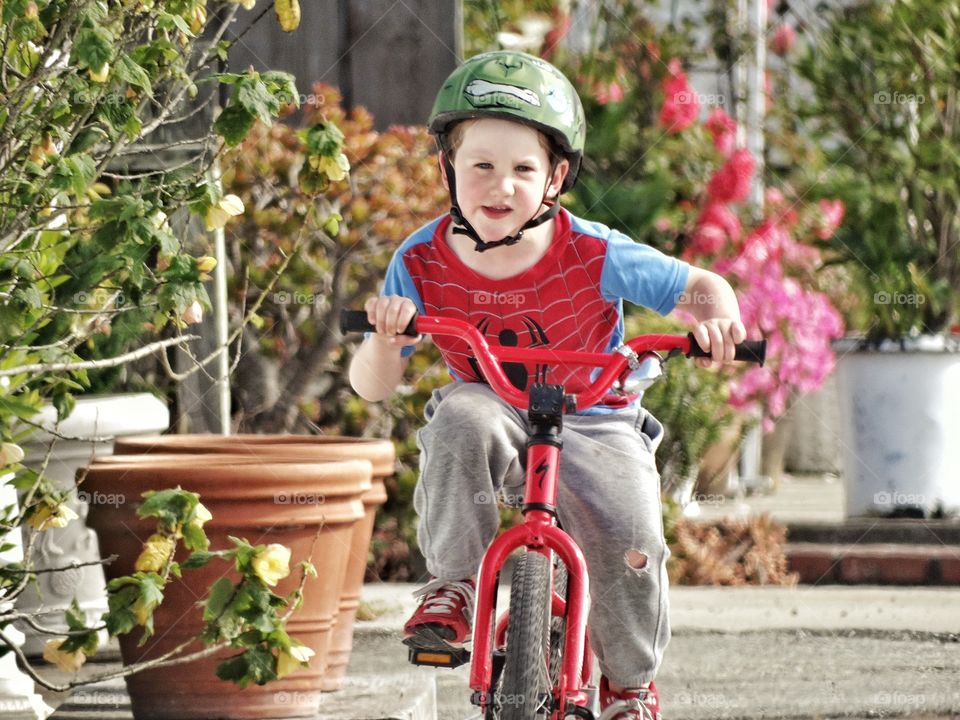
(221, 325)
(750, 74)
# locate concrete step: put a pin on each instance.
(877, 530)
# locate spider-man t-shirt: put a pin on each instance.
(571, 299)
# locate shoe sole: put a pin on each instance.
(427, 639)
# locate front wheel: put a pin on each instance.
(525, 687)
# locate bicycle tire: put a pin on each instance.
(525, 679)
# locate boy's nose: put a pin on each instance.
(505, 184)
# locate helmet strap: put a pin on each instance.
(465, 228)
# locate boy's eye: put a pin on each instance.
(484, 165)
(524, 168)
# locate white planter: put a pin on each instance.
(900, 415)
(91, 428)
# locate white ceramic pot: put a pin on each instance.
(900, 416)
(91, 428)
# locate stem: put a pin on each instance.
(97, 364)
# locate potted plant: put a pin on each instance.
(884, 107)
(93, 275)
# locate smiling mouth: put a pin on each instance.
(494, 211)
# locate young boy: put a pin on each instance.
(510, 128)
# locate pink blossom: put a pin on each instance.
(783, 38)
(723, 130)
(608, 92)
(833, 212)
(731, 183)
(663, 224)
(680, 104)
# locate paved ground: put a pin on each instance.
(762, 652)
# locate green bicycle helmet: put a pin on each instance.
(512, 86)
(515, 86)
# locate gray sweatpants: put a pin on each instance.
(473, 446)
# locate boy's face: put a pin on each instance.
(503, 172)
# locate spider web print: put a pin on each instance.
(557, 305)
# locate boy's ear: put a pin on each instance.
(559, 175)
(441, 156)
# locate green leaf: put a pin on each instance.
(194, 538)
(130, 72)
(220, 595)
(198, 559)
(261, 665)
(75, 617)
(234, 669)
(254, 97)
(92, 47)
(233, 124)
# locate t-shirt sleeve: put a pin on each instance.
(398, 282)
(642, 275)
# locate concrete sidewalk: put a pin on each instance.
(801, 652)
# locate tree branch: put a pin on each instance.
(97, 364)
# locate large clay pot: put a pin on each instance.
(381, 455)
(245, 495)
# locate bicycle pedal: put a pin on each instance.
(439, 657)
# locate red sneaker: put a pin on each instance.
(631, 704)
(445, 616)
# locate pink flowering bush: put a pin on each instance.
(663, 165)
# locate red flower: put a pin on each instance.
(716, 227)
(731, 183)
(783, 39)
(680, 104)
(723, 130)
(833, 211)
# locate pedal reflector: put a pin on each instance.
(439, 658)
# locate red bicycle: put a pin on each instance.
(534, 662)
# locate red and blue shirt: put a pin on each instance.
(571, 299)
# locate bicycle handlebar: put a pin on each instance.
(490, 357)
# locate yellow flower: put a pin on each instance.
(334, 168)
(48, 516)
(290, 661)
(193, 314)
(201, 515)
(100, 75)
(156, 551)
(218, 214)
(206, 263)
(10, 454)
(272, 564)
(68, 662)
(288, 14)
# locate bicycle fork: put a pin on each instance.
(538, 533)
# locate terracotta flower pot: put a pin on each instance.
(381, 455)
(245, 494)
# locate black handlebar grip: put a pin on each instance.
(356, 321)
(748, 350)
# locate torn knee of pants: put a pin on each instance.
(635, 560)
